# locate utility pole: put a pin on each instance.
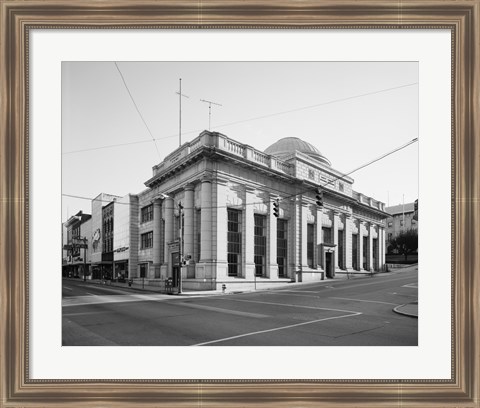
(210, 103)
(179, 93)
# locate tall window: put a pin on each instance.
(147, 213)
(365, 252)
(282, 247)
(199, 234)
(146, 240)
(310, 240)
(374, 252)
(354, 252)
(176, 226)
(234, 242)
(260, 244)
(327, 236)
(341, 264)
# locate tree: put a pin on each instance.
(406, 242)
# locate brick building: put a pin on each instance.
(402, 217)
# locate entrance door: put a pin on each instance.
(328, 264)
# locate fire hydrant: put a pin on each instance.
(224, 287)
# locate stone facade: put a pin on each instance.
(229, 232)
(210, 203)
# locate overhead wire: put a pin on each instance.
(136, 107)
(370, 162)
(246, 120)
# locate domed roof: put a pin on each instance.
(288, 145)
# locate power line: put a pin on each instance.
(136, 107)
(257, 117)
(280, 191)
(318, 105)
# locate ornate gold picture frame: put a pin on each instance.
(18, 17)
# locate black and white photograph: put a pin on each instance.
(239, 203)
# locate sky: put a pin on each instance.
(353, 112)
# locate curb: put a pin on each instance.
(396, 310)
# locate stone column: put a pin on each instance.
(188, 221)
(272, 271)
(206, 221)
(319, 239)
(360, 245)
(220, 229)
(188, 237)
(157, 232)
(335, 219)
(169, 225)
(381, 248)
(304, 229)
(248, 231)
(347, 232)
(370, 265)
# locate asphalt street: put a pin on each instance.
(354, 312)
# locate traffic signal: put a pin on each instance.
(276, 208)
(319, 197)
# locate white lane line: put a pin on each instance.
(294, 291)
(413, 285)
(368, 301)
(291, 294)
(290, 305)
(221, 310)
(275, 329)
(65, 287)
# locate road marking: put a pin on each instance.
(280, 293)
(295, 291)
(275, 329)
(368, 301)
(413, 285)
(64, 287)
(85, 313)
(221, 310)
(98, 299)
(290, 305)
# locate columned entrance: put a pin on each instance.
(329, 257)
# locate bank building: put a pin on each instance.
(218, 212)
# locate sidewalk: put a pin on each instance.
(161, 288)
(408, 309)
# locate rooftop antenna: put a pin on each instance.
(179, 93)
(210, 103)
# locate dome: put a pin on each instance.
(288, 145)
